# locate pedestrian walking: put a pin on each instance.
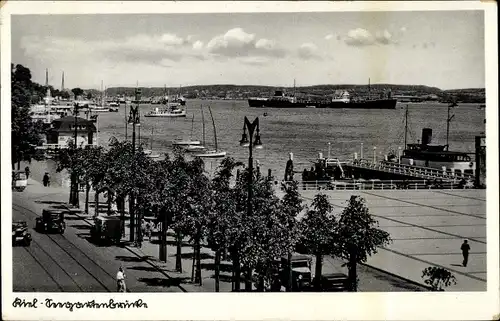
(46, 179)
(120, 281)
(27, 171)
(465, 252)
(148, 230)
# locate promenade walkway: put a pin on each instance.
(427, 228)
(370, 279)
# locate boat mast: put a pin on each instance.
(192, 127)
(294, 88)
(213, 123)
(448, 120)
(406, 123)
(151, 144)
(102, 94)
(203, 121)
(369, 89)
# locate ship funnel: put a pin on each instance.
(426, 136)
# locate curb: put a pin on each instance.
(397, 276)
(132, 250)
(128, 248)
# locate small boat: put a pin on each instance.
(211, 153)
(172, 110)
(190, 142)
(194, 148)
(149, 152)
(187, 143)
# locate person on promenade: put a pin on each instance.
(148, 230)
(27, 171)
(46, 179)
(465, 252)
(120, 281)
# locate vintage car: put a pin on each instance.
(301, 272)
(333, 282)
(106, 229)
(19, 180)
(52, 220)
(20, 234)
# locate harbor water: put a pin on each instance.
(305, 132)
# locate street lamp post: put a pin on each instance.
(245, 141)
(134, 120)
(74, 179)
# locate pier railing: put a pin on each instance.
(384, 184)
(414, 171)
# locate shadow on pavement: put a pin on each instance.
(189, 255)
(224, 267)
(164, 281)
(150, 269)
(50, 202)
(73, 218)
(81, 226)
(133, 258)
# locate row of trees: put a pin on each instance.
(213, 212)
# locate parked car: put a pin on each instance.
(301, 272)
(20, 234)
(52, 220)
(106, 229)
(19, 180)
(333, 282)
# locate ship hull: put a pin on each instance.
(367, 104)
(270, 103)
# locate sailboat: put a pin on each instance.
(102, 107)
(198, 147)
(189, 142)
(212, 153)
(149, 152)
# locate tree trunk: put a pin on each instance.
(289, 283)
(193, 263)
(353, 277)
(217, 269)
(178, 258)
(87, 191)
(248, 280)
(163, 241)
(198, 278)
(236, 271)
(18, 165)
(96, 205)
(317, 276)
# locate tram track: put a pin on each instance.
(93, 264)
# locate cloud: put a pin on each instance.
(328, 37)
(362, 37)
(255, 61)
(403, 29)
(141, 48)
(198, 45)
(238, 43)
(308, 51)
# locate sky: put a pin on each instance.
(442, 49)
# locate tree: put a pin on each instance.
(77, 92)
(291, 206)
(94, 168)
(221, 217)
(89, 95)
(358, 236)
(65, 95)
(25, 134)
(319, 231)
(438, 278)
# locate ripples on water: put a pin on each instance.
(305, 131)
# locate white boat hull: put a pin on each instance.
(211, 154)
(195, 148)
(183, 114)
(187, 142)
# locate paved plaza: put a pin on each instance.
(427, 228)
